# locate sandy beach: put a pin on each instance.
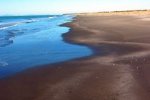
(117, 70)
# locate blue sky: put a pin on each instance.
(25, 7)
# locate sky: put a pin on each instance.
(29, 7)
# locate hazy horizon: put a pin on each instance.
(49, 7)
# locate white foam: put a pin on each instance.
(8, 25)
(32, 20)
(2, 63)
(50, 17)
(5, 27)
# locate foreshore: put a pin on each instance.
(117, 70)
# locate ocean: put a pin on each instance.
(30, 41)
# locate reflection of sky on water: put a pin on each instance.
(36, 43)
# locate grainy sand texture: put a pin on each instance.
(119, 68)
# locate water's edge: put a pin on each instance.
(63, 25)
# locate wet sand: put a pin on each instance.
(118, 69)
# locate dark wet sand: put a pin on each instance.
(118, 70)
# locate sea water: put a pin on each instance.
(29, 41)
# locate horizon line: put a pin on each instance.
(7, 15)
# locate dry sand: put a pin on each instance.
(118, 70)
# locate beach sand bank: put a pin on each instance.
(118, 69)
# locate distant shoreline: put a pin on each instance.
(124, 12)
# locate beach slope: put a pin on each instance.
(117, 70)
